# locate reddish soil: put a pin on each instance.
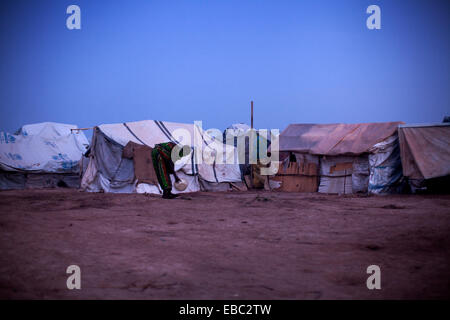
(253, 245)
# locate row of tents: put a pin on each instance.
(377, 158)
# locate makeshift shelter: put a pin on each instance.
(208, 166)
(425, 155)
(342, 158)
(41, 155)
(249, 146)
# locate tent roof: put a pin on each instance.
(420, 125)
(42, 147)
(335, 139)
(425, 150)
(150, 132)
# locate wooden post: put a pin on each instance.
(252, 115)
(252, 167)
(345, 178)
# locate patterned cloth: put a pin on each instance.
(163, 164)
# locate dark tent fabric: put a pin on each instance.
(425, 150)
(109, 161)
(335, 139)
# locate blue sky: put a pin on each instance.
(300, 61)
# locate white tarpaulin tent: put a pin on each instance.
(47, 151)
(211, 161)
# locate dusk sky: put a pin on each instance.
(299, 61)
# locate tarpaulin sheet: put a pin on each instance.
(335, 139)
(385, 167)
(425, 151)
(112, 173)
(43, 148)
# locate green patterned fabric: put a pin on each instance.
(163, 164)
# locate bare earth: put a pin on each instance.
(253, 245)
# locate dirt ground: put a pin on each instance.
(253, 245)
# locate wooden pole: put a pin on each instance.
(79, 129)
(251, 135)
(252, 114)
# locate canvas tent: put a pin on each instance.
(41, 155)
(348, 158)
(425, 154)
(208, 165)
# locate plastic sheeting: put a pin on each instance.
(192, 185)
(109, 172)
(360, 174)
(42, 155)
(44, 147)
(378, 172)
(214, 186)
(12, 180)
(385, 167)
(20, 180)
